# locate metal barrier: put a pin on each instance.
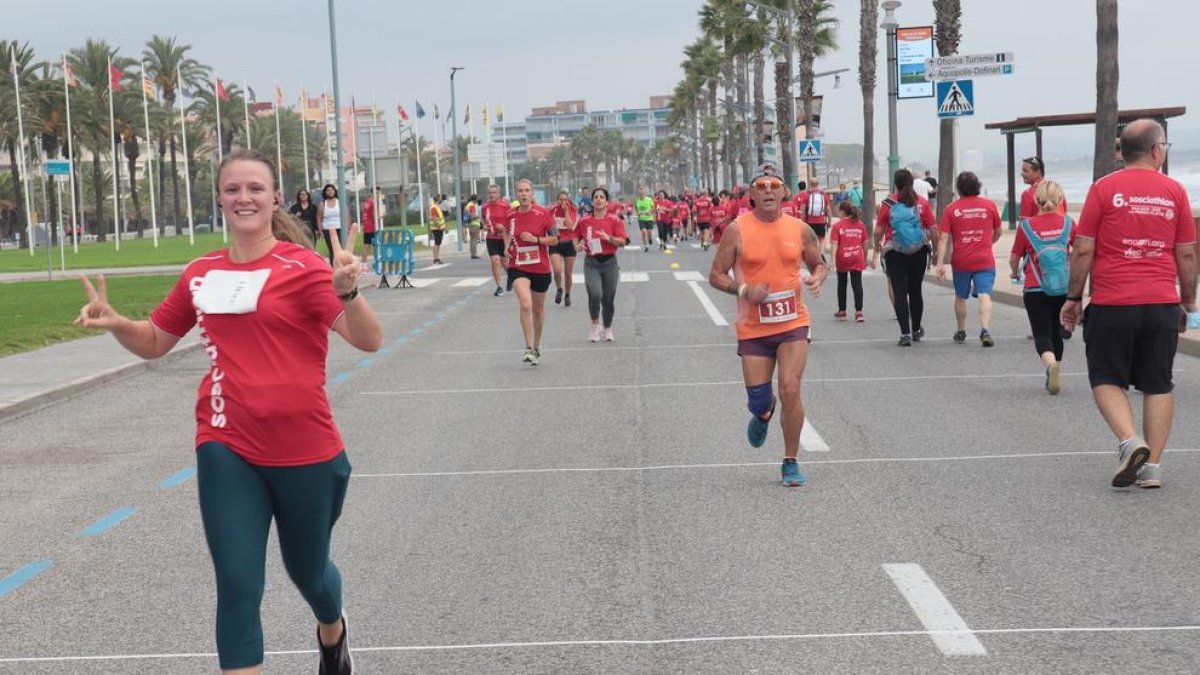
(394, 255)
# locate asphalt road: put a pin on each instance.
(603, 512)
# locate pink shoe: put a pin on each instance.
(595, 332)
(858, 317)
(840, 316)
(608, 335)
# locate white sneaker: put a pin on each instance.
(1149, 476)
(595, 332)
(608, 335)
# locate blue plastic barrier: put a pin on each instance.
(394, 256)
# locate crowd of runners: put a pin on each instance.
(268, 449)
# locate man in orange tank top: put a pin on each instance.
(765, 249)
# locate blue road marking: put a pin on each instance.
(365, 362)
(178, 478)
(402, 339)
(340, 378)
(108, 522)
(385, 351)
(416, 331)
(22, 576)
(429, 323)
(441, 316)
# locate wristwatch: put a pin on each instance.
(347, 297)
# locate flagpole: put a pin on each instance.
(374, 172)
(71, 152)
(420, 182)
(278, 141)
(112, 124)
(437, 156)
(246, 110)
(354, 156)
(487, 133)
(149, 155)
(504, 145)
(220, 158)
(187, 176)
(304, 138)
(12, 60)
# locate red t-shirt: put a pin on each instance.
(565, 231)
(495, 218)
(681, 212)
(1029, 207)
(924, 212)
(788, 207)
(525, 256)
(663, 208)
(970, 222)
(590, 226)
(368, 215)
(743, 204)
(616, 209)
(704, 207)
(1045, 226)
(811, 206)
(264, 393)
(850, 237)
(1137, 218)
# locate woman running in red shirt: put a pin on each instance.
(601, 235)
(528, 238)
(267, 446)
(562, 255)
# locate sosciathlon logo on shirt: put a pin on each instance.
(1146, 205)
(216, 397)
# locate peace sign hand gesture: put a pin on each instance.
(346, 265)
(97, 313)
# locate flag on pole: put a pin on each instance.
(221, 93)
(401, 113)
(69, 74)
(467, 116)
(420, 110)
(148, 87)
(114, 77)
(437, 114)
(500, 113)
(485, 116)
(278, 97)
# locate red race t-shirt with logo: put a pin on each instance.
(720, 220)
(560, 215)
(1029, 207)
(970, 222)
(264, 393)
(1137, 217)
(616, 209)
(811, 205)
(1045, 226)
(850, 237)
(704, 207)
(590, 226)
(663, 208)
(883, 217)
(529, 257)
(681, 212)
(788, 207)
(495, 218)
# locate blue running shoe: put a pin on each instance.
(756, 430)
(791, 474)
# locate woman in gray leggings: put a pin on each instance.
(601, 235)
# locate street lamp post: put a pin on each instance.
(890, 25)
(457, 166)
(337, 112)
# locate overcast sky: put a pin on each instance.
(618, 53)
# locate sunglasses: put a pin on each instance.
(766, 184)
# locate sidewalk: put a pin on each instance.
(1010, 294)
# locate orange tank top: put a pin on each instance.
(771, 253)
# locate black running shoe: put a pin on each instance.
(558, 296)
(905, 341)
(567, 300)
(336, 660)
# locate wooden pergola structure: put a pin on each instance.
(1034, 125)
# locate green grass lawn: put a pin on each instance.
(39, 313)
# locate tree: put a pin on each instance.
(168, 65)
(1108, 72)
(816, 36)
(89, 109)
(21, 58)
(948, 33)
(868, 21)
(47, 110)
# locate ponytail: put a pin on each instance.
(285, 227)
(849, 210)
(904, 187)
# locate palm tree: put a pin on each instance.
(947, 34)
(48, 124)
(719, 20)
(684, 120)
(21, 58)
(868, 51)
(816, 36)
(1108, 75)
(166, 63)
(90, 111)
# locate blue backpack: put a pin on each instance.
(907, 235)
(1052, 259)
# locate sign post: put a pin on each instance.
(955, 98)
(809, 150)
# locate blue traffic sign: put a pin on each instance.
(58, 167)
(809, 150)
(955, 98)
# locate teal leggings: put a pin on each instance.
(237, 502)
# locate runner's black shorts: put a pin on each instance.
(819, 229)
(495, 247)
(564, 248)
(646, 224)
(538, 283)
(437, 236)
(1132, 345)
(368, 238)
(704, 226)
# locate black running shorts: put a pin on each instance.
(1132, 345)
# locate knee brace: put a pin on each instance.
(760, 399)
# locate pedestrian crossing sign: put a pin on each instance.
(955, 98)
(809, 150)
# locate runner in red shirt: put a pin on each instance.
(704, 206)
(1136, 240)
(562, 255)
(720, 215)
(812, 206)
(528, 238)
(601, 236)
(1041, 307)
(1033, 171)
(972, 223)
(679, 220)
(905, 268)
(848, 240)
(267, 446)
(495, 220)
(368, 227)
(664, 210)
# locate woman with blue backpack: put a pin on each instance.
(1043, 245)
(904, 232)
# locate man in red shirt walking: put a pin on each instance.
(1136, 239)
(973, 223)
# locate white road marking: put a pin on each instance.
(707, 302)
(688, 275)
(626, 277)
(948, 630)
(810, 440)
(432, 267)
(419, 282)
(594, 348)
(473, 282)
(1067, 630)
